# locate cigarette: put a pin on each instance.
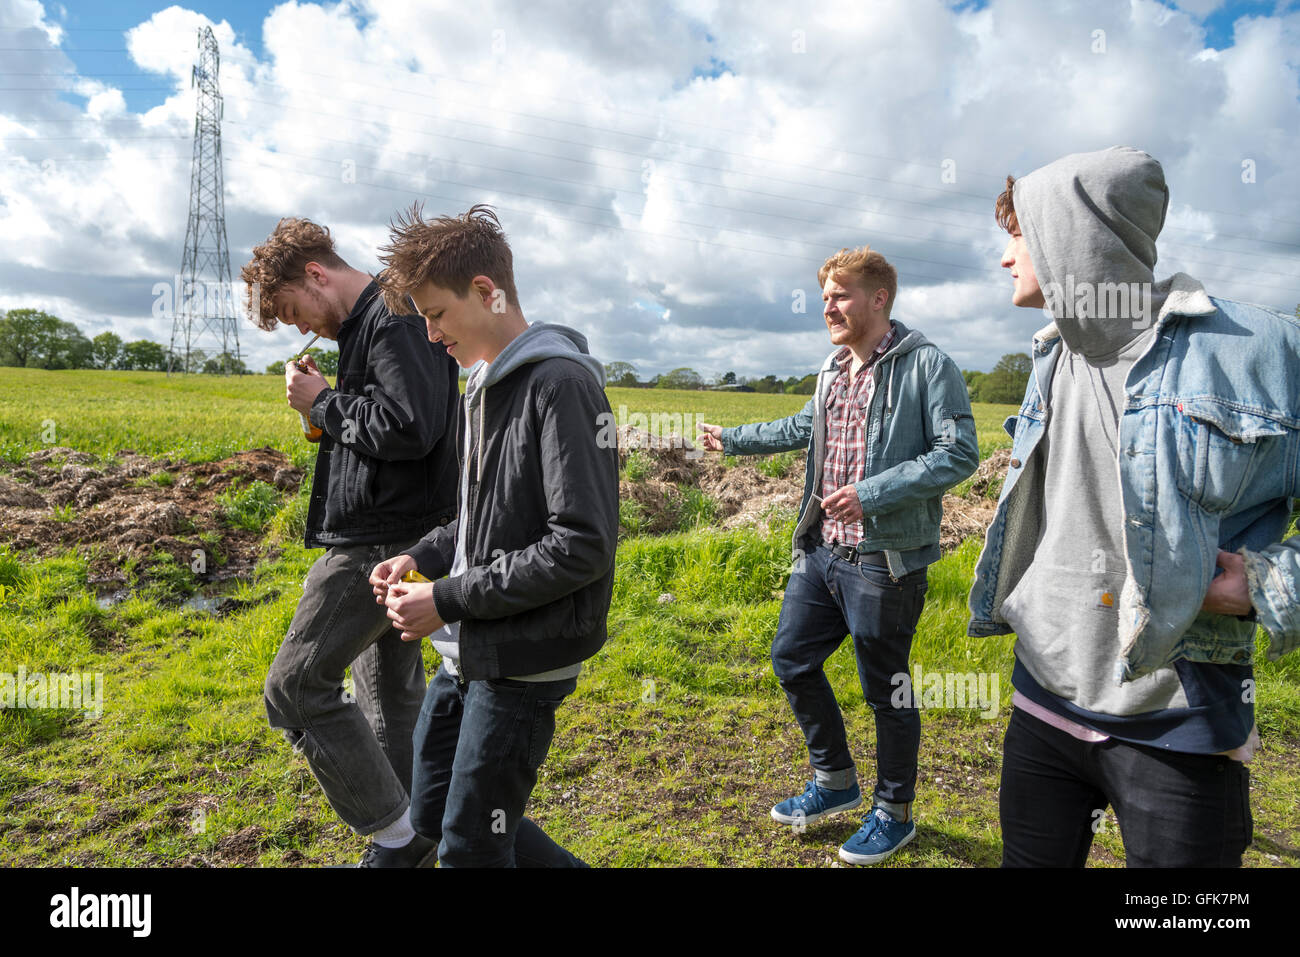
(306, 347)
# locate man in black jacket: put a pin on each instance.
(385, 474)
(529, 563)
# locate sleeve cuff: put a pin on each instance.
(316, 414)
(449, 598)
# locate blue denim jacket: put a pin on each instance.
(920, 442)
(1209, 458)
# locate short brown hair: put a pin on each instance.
(1005, 209)
(449, 252)
(283, 259)
(867, 268)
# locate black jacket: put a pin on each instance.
(386, 467)
(541, 519)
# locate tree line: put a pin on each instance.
(35, 339)
(38, 340)
(1005, 384)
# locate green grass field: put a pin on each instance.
(675, 745)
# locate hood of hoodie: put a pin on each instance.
(541, 340)
(1089, 219)
(905, 341)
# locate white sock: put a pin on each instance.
(398, 834)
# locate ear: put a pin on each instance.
(880, 298)
(483, 287)
(316, 272)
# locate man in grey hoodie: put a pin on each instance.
(529, 562)
(1112, 476)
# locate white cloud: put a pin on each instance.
(701, 157)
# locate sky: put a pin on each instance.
(670, 175)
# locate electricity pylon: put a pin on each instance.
(205, 309)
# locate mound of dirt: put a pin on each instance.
(132, 506)
(745, 496)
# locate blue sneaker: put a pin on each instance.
(879, 836)
(815, 803)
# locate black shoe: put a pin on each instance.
(419, 852)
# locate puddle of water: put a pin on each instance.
(110, 599)
(207, 604)
(203, 602)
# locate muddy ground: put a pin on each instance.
(745, 496)
(131, 506)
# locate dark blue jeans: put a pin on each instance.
(1173, 809)
(826, 599)
(478, 746)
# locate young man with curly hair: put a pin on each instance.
(385, 474)
(521, 582)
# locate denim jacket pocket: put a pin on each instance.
(1218, 451)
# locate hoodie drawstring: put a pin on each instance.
(889, 388)
(482, 410)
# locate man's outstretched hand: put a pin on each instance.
(711, 436)
(1228, 594)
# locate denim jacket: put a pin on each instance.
(920, 442)
(1209, 458)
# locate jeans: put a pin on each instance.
(1173, 809)
(478, 746)
(359, 750)
(825, 599)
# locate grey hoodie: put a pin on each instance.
(541, 340)
(1092, 219)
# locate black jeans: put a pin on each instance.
(826, 599)
(478, 746)
(1173, 809)
(359, 750)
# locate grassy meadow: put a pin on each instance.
(675, 745)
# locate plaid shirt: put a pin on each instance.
(846, 420)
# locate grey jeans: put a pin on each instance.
(359, 750)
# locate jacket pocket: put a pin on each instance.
(1220, 449)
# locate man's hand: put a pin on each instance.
(410, 606)
(1228, 594)
(711, 435)
(390, 572)
(301, 388)
(843, 505)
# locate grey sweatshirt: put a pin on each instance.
(541, 340)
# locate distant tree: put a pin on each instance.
(65, 347)
(681, 378)
(729, 378)
(805, 386)
(620, 375)
(973, 379)
(144, 355)
(225, 364)
(1017, 364)
(1006, 383)
(106, 348)
(769, 383)
(25, 336)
